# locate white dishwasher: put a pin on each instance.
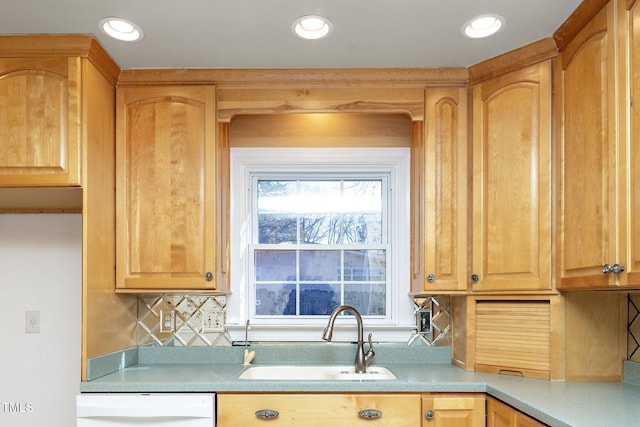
(146, 409)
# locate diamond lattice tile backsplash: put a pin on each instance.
(182, 320)
(197, 320)
(189, 320)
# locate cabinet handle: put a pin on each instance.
(267, 414)
(475, 278)
(431, 278)
(208, 276)
(615, 268)
(429, 414)
(370, 414)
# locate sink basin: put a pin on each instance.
(315, 372)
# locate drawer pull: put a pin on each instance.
(370, 414)
(267, 414)
(429, 414)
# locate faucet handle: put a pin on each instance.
(370, 343)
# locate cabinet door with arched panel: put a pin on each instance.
(166, 188)
(439, 156)
(512, 181)
(40, 122)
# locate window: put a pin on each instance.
(315, 228)
(318, 241)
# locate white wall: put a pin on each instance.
(40, 269)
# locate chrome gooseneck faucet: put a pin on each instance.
(362, 360)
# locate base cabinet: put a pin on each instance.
(351, 410)
(453, 410)
(318, 410)
(500, 414)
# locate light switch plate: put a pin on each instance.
(212, 321)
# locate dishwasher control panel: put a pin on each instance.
(146, 409)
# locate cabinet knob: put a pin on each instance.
(475, 278)
(615, 268)
(370, 414)
(429, 414)
(267, 414)
(208, 276)
(431, 278)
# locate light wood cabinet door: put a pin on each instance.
(166, 188)
(512, 181)
(441, 192)
(500, 414)
(453, 410)
(318, 410)
(632, 235)
(599, 221)
(39, 122)
(588, 206)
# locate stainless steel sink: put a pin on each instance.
(315, 372)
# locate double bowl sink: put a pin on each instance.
(315, 373)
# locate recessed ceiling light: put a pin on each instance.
(483, 26)
(121, 29)
(312, 27)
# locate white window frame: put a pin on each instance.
(244, 161)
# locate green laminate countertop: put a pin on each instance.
(557, 403)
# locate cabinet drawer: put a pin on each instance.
(319, 410)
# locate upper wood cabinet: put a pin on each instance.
(40, 121)
(632, 212)
(598, 162)
(512, 181)
(166, 188)
(439, 163)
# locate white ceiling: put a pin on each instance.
(257, 33)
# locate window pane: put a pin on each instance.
(364, 265)
(319, 265)
(320, 211)
(275, 265)
(370, 300)
(275, 223)
(275, 300)
(277, 228)
(318, 299)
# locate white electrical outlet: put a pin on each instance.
(32, 322)
(212, 321)
(167, 320)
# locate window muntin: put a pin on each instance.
(320, 242)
